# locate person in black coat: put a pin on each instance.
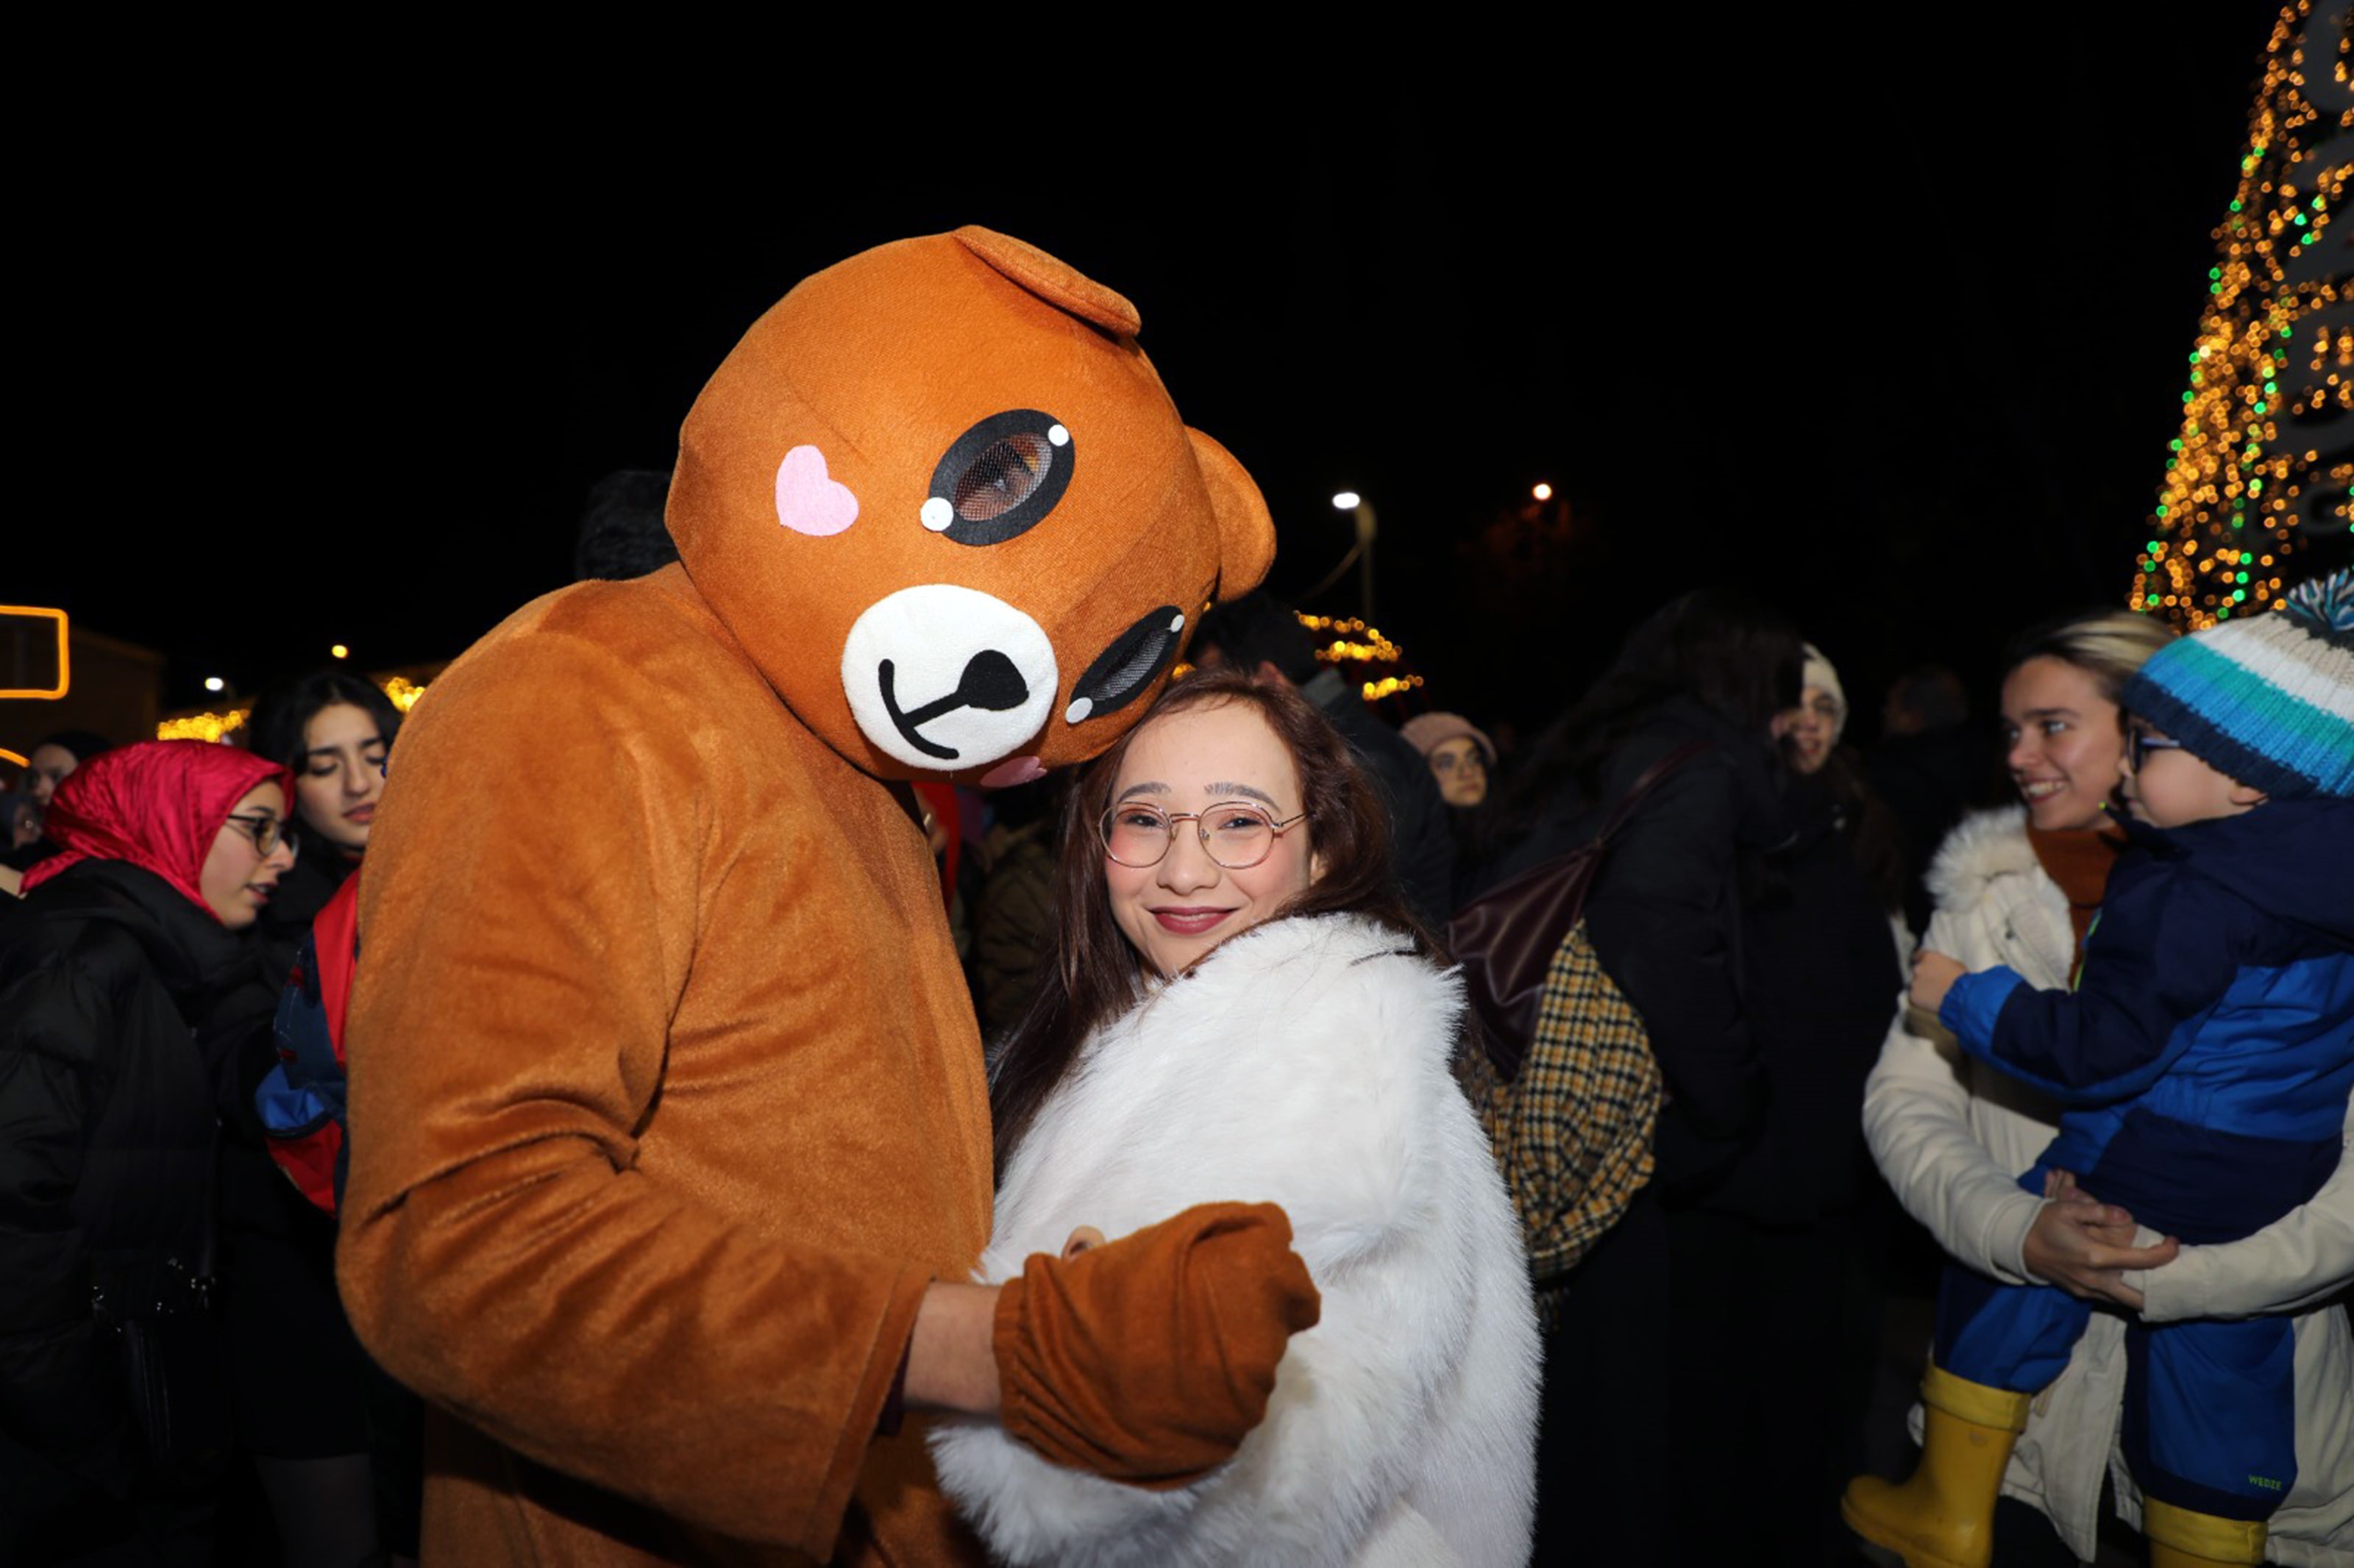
(129, 989)
(1702, 680)
(1774, 1300)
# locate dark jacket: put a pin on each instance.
(121, 1003)
(1013, 923)
(1819, 980)
(301, 893)
(2208, 1047)
(1665, 918)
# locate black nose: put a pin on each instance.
(990, 683)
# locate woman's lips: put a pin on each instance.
(1189, 922)
(361, 814)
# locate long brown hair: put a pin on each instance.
(1091, 975)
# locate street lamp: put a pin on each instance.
(1362, 510)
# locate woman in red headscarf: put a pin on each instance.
(128, 983)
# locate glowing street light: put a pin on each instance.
(340, 652)
(215, 683)
(1347, 501)
(1543, 493)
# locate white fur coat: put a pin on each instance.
(1304, 1062)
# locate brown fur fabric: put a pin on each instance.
(666, 1096)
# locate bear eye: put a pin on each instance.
(1001, 478)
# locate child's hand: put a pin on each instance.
(1934, 975)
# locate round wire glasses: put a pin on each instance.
(1234, 833)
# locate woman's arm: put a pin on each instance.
(1916, 1118)
(1916, 1108)
(59, 1394)
(1659, 919)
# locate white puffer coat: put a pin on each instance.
(1951, 1135)
(1304, 1062)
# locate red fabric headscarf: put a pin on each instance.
(158, 804)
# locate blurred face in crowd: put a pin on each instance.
(2067, 742)
(48, 767)
(1811, 727)
(239, 877)
(340, 777)
(1193, 762)
(1462, 771)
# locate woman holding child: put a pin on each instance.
(2018, 891)
(1240, 1003)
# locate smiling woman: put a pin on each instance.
(1190, 863)
(2019, 888)
(132, 941)
(1244, 1005)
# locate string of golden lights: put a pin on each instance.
(221, 726)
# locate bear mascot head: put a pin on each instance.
(942, 498)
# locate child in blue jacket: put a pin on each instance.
(2206, 1052)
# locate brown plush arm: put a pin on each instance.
(529, 919)
(1150, 1359)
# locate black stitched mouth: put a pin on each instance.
(1123, 671)
(990, 682)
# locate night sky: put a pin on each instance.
(1891, 328)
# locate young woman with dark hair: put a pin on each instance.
(332, 730)
(1238, 1000)
(333, 1440)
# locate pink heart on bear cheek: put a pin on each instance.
(807, 501)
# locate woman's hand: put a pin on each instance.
(1934, 975)
(2085, 1247)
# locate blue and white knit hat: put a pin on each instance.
(2268, 699)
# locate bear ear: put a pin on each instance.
(1058, 282)
(1245, 529)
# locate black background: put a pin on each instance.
(1887, 318)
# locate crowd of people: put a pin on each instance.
(1121, 1129)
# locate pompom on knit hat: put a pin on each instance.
(1427, 732)
(2268, 699)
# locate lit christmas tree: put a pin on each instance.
(2259, 474)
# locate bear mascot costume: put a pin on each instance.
(667, 1102)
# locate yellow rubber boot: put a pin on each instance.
(1943, 1517)
(2180, 1539)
